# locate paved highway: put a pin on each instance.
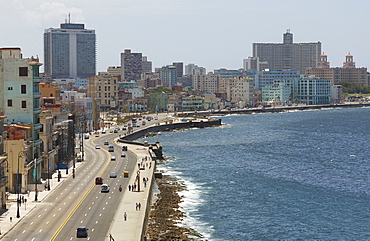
(79, 202)
(69, 202)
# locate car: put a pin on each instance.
(99, 180)
(106, 143)
(113, 158)
(110, 131)
(97, 147)
(123, 154)
(113, 175)
(87, 136)
(82, 232)
(115, 131)
(103, 132)
(105, 188)
(125, 125)
(117, 128)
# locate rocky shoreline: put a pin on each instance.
(165, 217)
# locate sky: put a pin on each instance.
(209, 33)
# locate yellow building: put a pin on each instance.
(348, 73)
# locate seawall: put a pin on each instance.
(167, 127)
(275, 109)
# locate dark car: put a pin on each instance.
(98, 180)
(82, 232)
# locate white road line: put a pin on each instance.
(31, 223)
(54, 215)
(59, 209)
(24, 231)
(39, 216)
(47, 222)
(40, 231)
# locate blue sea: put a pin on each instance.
(301, 175)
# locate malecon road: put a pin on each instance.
(78, 202)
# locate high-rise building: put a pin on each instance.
(253, 63)
(146, 65)
(70, 51)
(168, 75)
(288, 55)
(348, 73)
(103, 89)
(179, 68)
(192, 69)
(208, 83)
(131, 65)
(239, 90)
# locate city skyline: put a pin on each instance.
(210, 34)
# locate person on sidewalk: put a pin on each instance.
(125, 216)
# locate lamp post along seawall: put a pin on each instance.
(21, 154)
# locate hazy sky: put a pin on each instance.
(210, 33)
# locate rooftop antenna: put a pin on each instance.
(69, 17)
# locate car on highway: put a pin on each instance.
(98, 180)
(113, 158)
(111, 131)
(123, 154)
(82, 232)
(103, 131)
(106, 143)
(105, 188)
(97, 147)
(113, 175)
(115, 131)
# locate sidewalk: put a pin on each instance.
(9, 218)
(131, 229)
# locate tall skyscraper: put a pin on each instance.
(131, 65)
(179, 68)
(288, 55)
(70, 51)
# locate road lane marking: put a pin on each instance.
(24, 231)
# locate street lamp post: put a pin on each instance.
(48, 171)
(35, 160)
(20, 154)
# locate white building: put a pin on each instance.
(136, 92)
(239, 90)
(208, 83)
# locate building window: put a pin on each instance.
(23, 71)
(24, 104)
(10, 102)
(23, 89)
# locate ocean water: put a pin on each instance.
(276, 176)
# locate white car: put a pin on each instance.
(97, 147)
(113, 175)
(123, 154)
(113, 158)
(105, 188)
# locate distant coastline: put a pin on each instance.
(273, 109)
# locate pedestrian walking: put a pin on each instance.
(129, 187)
(125, 216)
(139, 206)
